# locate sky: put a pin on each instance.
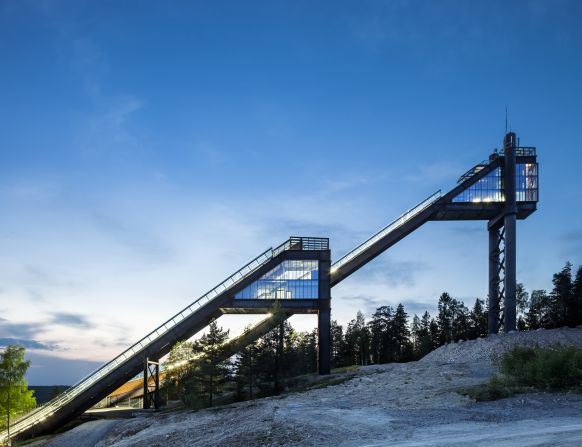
(150, 149)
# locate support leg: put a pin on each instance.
(509, 304)
(151, 384)
(493, 305)
(324, 338)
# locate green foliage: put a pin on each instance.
(180, 358)
(558, 368)
(358, 340)
(495, 389)
(208, 371)
(524, 368)
(15, 397)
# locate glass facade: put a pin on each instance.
(526, 182)
(490, 187)
(289, 280)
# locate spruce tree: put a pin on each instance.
(401, 334)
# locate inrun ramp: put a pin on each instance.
(298, 276)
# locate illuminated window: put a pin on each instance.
(490, 188)
(289, 280)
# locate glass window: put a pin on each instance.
(490, 188)
(291, 279)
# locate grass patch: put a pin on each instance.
(497, 388)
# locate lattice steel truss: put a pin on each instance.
(497, 279)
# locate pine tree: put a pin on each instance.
(306, 353)
(339, 354)
(539, 314)
(210, 371)
(478, 320)
(415, 334)
(245, 366)
(179, 367)
(358, 339)
(445, 319)
(428, 334)
(381, 335)
(460, 320)
(577, 298)
(562, 296)
(274, 358)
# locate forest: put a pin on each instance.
(268, 365)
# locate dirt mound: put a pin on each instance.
(485, 349)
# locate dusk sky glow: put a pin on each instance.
(148, 150)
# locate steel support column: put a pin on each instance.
(324, 338)
(494, 298)
(509, 304)
(324, 317)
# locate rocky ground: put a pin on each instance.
(412, 404)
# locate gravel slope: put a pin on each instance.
(413, 404)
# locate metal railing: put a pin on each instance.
(41, 413)
(522, 151)
(405, 217)
(474, 170)
(303, 243)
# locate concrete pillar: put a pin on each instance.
(493, 304)
(509, 304)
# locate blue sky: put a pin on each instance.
(148, 150)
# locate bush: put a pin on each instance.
(557, 368)
(495, 389)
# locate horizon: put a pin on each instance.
(149, 152)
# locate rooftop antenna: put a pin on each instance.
(506, 119)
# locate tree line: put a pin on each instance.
(267, 366)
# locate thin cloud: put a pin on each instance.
(28, 344)
(20, 330)
(71, 320)
(435, 172)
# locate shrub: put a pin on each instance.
(557, 368)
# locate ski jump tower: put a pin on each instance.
(298, 275)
